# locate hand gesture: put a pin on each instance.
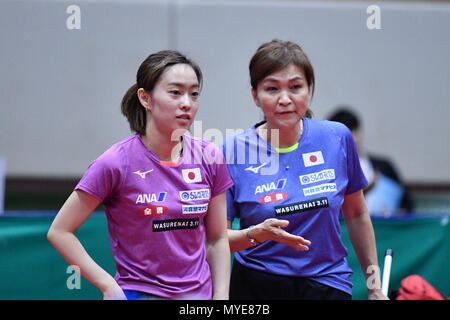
(271, 229)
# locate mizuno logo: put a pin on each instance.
(142, 174)
(255, 169)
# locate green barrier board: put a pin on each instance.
(30, 268)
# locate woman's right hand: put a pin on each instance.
(271, 229)
(113, 292)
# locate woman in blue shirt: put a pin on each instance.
(292, 176)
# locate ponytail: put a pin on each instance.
(134, 111)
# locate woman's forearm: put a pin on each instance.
(238, 239)
(218, 257)
(68, 245)
(362, 236)
(61, 235)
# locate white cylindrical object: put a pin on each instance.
(386, 271)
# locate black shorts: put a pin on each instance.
(251, 284)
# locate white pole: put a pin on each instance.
(386, 271)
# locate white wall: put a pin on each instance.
(61, 89)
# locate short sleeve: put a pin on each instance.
(228, 151)
(356, 178)
(232, 211)
(103, 176)
(221, 180)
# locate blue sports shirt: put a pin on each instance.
(305, 186)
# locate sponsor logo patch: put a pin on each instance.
(192, 209)
(317, 176)
(192, 195)
(273, 197)
(153, 210)
(271, 186)
(326, 187)
(175, 224)
(151, 197)
(302, 206)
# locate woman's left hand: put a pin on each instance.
(376, 295)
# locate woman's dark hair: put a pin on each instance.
(275, 55)
(147, 76)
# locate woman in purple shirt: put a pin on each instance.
(163, 192)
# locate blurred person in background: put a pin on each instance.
(385, 194)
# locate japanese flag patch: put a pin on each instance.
(192, 175)
(313, 158)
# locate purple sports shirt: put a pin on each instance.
(155, 214)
